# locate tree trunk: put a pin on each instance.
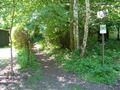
(74, 31)
(71, 26)
(83, 48)
(11, 43)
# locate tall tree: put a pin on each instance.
(86, 28)
(74, 32)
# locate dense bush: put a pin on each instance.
(21, 38)
(26, 59)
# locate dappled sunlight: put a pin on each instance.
(46, 67)
(65, 78)
(54, 73)
(5, 59)
(17, 81)
(61, 79)
(39, 53)
(37, 46)
(5, 77)
(43, 58)
(46, 60)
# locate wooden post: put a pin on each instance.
(103, 50)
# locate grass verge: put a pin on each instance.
(30, 69)
(89, 68)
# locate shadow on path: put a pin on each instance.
(52, 77)
(58, 79)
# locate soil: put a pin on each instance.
(55, 78)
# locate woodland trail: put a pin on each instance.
(58, 79)
(50, 76)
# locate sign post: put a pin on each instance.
(103, 31)
(101, 14)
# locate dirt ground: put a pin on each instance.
(50, 76)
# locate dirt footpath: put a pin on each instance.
(50, 76)
(58, 79)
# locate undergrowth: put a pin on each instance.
(27, 59)
(30, 69)
(89, 68)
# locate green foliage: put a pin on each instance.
(55, 20)
(51, 22)
(52, 18)
(26, 59)
(22, 58)
(38, 38)
(89, 68)
(20, 38)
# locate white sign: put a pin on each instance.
(103, 29)
(101, 14)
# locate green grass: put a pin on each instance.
(89, 68)
(30, 68)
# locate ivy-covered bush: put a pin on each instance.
(26, 59)
(21, 38)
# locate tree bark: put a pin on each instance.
(86, 28)
(71, 25)
(74, 31)
(11, 47)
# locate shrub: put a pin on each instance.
(26, 59)
(20, 38)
